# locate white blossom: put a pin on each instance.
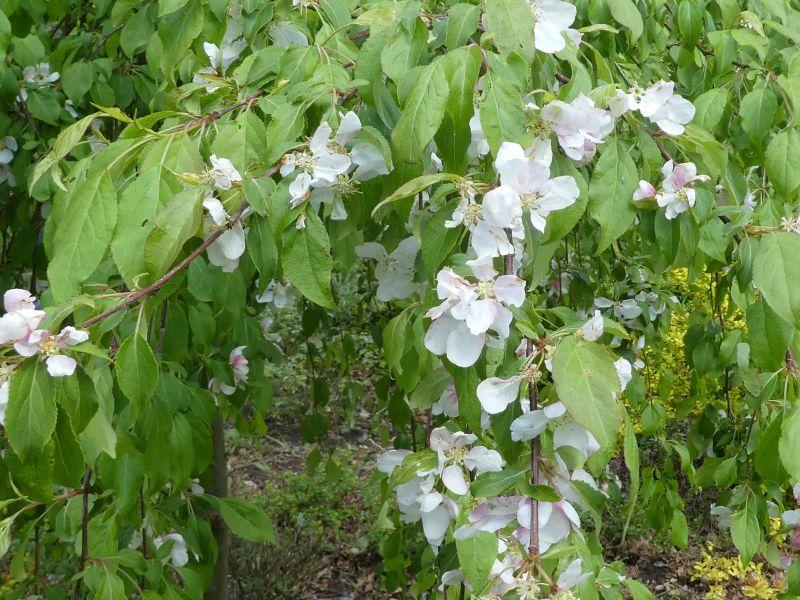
(593, 329)
(278, 295)
(223, 173)
(178, 554)
(552, 19)
(36, 76)
(395, 271)
(479, 145)
(677, 193)
(579, 126)
(225, 251)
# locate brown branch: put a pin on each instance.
(562, 79)
(533, 398)
(219, 113)
(87, 475)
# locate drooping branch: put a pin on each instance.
(169, 275)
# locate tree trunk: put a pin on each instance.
(219, 487)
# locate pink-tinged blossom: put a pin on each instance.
(42, 341)
(468, 311)
(447, 404)
(556, 521)
(677, 193)
(239, 365)
(579, 126)
(659, 103)
(21, 317)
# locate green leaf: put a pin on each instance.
(137, 369)
(779, 161)
(422, 113)
(511, 24)
(637, 589)
(166, 7)
(262, 248)
(767, 449)
(476, 555)
(462, 67)
(626, 14)
(776, 273)
(438, 241)
(67, 456)
(462, 22)
(411, 188)
(83, 235)
(307, 261)
(757, 110)
(610, 192)
(679, 529)
(710, 108)
(501, 114)
(495, 483)
(174, 225)
(429, 389)
(31, 413)
(745, 531)
(768, 335)
(587, 384)
(64, 143)
(245, 519)
(77, 79)
(789, 444)
(98, 437)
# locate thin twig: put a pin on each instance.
(87, 475)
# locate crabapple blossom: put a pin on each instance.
(178, 553)
(226, 250)
(573, 575)
(447, 404)
(21, 317)
(659, 103)
(468, 311)
(453, 456)
(526, 186)
(42, 341)
(579, 126)
(223, 173)
(239, 365)
(791, 224)
(624, 372)
(552, 19)
(677, 192)
(277, 294)
(569, 433)
(626, 309)
(394, 271)
(531, 424)
(8, 146)
(222, 56)
(556, 521)
(39, 76)
(593, 329)
(479, 145)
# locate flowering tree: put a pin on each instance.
(522, 178)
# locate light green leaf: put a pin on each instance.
(789, 444)
(501, 112)
(511, 24)
(307, 261)
(610, 192)
(626, 14)
(492, 484)
(429, 389)
(98, 437)
(137, 369)
(411, 188)
(476, 555)
(245, 519)
(779, 160)
(587, 384)
(422, 113)
(174, 225)
(776, 273)
(462, 22)
(83, 235)
(710, 108)
(757, 110)
(745, 531)
(64, 143)
(31, 413)
(769, 335)
(262, 248)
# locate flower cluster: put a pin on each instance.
(328, 167)
(36, 76)
(659, 103)
(468, 310)
(677, 193)
(20, 325)
(240, 370)
(8, 146)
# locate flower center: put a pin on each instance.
(485, 289)
(304, 161)
(472, 214)
(456, 455)
(49, 346)
(529, 201)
